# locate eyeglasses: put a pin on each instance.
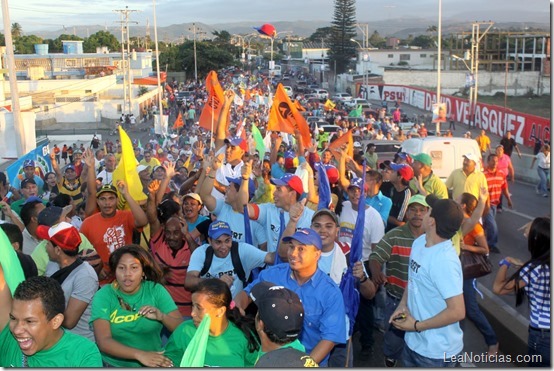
(124, 305)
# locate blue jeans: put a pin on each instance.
(413, 359)
(393, 340)
(539, 344)
(337, 358)
(491, 228)
(543, 173)
(475, 315)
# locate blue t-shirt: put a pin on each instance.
(434, 275)
(269, 219)
(251, 257)
(200, 219)
(380, 203)
(225, 212)
(325, 316)
(277, 171)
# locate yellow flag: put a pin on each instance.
(329, 105)
(126, 170)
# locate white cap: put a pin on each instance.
(357, 144)
(141, 168)
(473, 157)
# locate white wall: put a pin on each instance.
(8, 148)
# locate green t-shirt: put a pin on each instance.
(432, 184)
(128, 327)
(230, 349)
(70, 351)
(18, 205)
(371, 160)
(40, 256)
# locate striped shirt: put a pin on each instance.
(394, 249)
(537, 288)
(495, 182)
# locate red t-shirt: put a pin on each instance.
(177, 264)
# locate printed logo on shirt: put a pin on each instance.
(114, 318)
(114, 237)
(237, 236)
(220, 274)
(414, 266)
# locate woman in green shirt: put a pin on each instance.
(128, 314)
(233, 341)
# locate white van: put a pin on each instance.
(447, 153)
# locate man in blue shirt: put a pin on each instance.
(325, 322)
(374, 197)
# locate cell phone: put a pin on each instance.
(401, 316)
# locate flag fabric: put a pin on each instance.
(13, 273)
(195, 354)
(212, 108)
(356, 112)
(260, 146)
(329, 105)
(299, 106)
(335, 145)
(126, 170)
(267, 139)
(349, 284)
(324, 189)
(139, 144)
(284, 116)
(178, 122)
(247, 229)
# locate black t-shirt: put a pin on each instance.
(509, 145)
(399, 199)
(28, 265)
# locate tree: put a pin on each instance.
(17, 30)
(424, 41)
(376, 40)
(321, 33)
(341, 49)
(222, 37)
(2, 39)
(56, 45)
(101, 38)
(26, 44)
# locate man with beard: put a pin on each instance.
(171, 249)
(394, 250)
(111, 228)
(32, 334)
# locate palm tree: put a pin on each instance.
(17, 31)
(431, 29)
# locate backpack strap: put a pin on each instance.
(237, 264)
(208, 260)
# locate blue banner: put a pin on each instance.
(41, 156)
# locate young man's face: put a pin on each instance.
(29, 172)
(31, 328)
(107, 202)
(326, 228)
(301, 256)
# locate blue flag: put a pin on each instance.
(349, 284)
(324, 189)
(247, 229)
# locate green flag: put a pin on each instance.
(259, 140)
(13, 272)
(196, 350)
(356, 112)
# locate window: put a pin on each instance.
(119, 110)
(88, 91)
(390, 56)
(404, 57)
(423, 55)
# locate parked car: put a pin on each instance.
(356, 101)
(385, 149)
(341, 97)
(288, 89)
(321, 94)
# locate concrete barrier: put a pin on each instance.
(73, 138)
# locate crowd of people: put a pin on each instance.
(258, 244)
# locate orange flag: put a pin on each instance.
(179, 122)
(212, 108)
(284, 116)
(335, 145)
(247, 96)
(299, 106)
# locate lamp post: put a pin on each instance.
(470, 81)
(365, 77)
(195, 30)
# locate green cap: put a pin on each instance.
(424, 158)
(418, 199)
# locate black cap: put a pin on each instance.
(448, 215)
(279, 308)
(27, 181)
(286, 357)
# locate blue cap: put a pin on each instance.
(33, 199)
(290, 180)
(357, 182)
(28, 163)
(218, 228)
(290, 154)
(238, 181)
(70, 167)
(237, 142)
(305, 236)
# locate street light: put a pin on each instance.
(195, 30)
(365, 78)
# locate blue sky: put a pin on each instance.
(35, 14)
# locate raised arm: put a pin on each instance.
(140, 217)
(222, 123)
(209, 168)
(91, 206)
(152, 214)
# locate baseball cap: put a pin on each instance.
(357, 145)
(27, 181)
(107, 188)
(238, 181)
(286, 357)
(405, 171)
(328, 212)
(194, 196)
(418, 199)
(28, 163)
(77, 152)
(473, 157)
(237, 142)
(290, 180)
(63, 235)
(332, 173)
(69, 167)
(404, 156)
(279, 308)
(218, 228)
(32, 199)
(51, 214)
(141, 168)
(357, 182)
(448, 215)
(424, 158)
(306, 236)
(158, 167)
(385, 164)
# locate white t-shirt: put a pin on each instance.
(222, 173)
(374, 228)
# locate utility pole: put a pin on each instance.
(476, 37)
(125, 59)
(195, 30)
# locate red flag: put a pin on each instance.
(347, 139)
(178, 122)
(212, 108)
(284, 116)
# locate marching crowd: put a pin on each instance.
(259, 243)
